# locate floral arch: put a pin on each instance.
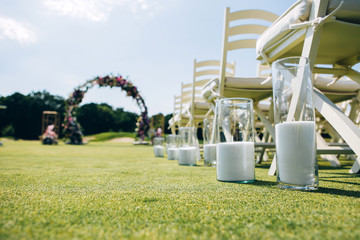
(72, 127)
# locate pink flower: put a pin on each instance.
(122, 82)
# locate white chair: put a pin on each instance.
(204, 71)
(237, 86)
(190, 108)
(175, 116)
(328, 33)
(240, 33)
(181, 115)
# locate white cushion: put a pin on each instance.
(202, 105)
(264, 105)
(299, 12)
(247, 83)
(186, 108)
(174, 119)
(239, 87)
(200, 108)
(207, 91)
(341, 86)
(171, 121)
(349, 11)
(341, 90)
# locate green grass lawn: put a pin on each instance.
(105, 136)
(108, 190)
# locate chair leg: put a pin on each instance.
(262, 156)
(272, 169)
(268, 125)
(329, 157)
(355, 168)
(341, 123)
(265, 156)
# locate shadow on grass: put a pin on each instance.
(261, 183)
(267, 166)
(343, 176)
(331, 178)
(186, 165)
(262, 166)
(343, 167)
(348, 175)
(339, 192)
(337, 181)
(322, 190)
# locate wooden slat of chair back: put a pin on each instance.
(238, 29)
(204, 71)
(186, 85)
(241, 29)
(207, 72)
(242, 43)
(186, 99)
(177, 102)
(202, 82)
(247, 29)
(253, 14)
(207, 63)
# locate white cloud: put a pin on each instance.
(14, 30)
(99, 10)
(90, 9)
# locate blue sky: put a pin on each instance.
(56, 45)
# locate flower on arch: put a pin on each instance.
(77, 96)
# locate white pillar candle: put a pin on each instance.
(235, 161)
(187, 156)
(296, 152)
(159, 151)
(210, 154)
(173, 153)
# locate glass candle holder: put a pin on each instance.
(172, 146)
(294, 116)
(209, 145)
(235, 133)
(159, 148)
(188, 146)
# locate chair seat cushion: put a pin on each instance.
(247, 83)
(341, 90)
(298, 13)
(201, 108)
(264, 105)
(238, 87)
(341, 86)
(207, 91)
(349, 12)
(202, 105)
(247, 88)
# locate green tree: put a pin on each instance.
(95, 118)
(24, 112)
(125, 121)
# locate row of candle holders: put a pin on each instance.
(188, 154)
(229, 137)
